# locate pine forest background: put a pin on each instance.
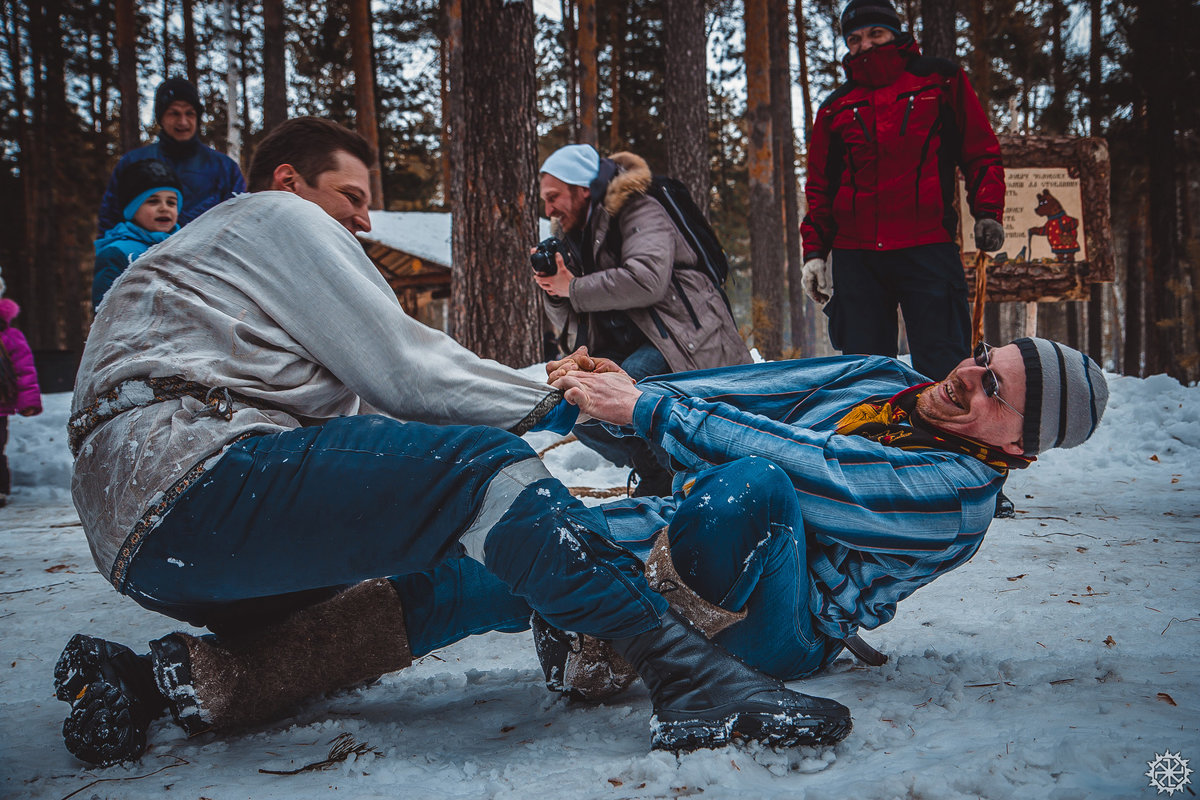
(465, 97)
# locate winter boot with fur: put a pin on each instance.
(214, 683)
(703, 696)
(588, 669)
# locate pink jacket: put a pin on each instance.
(28, 393)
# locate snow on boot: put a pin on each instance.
(113, 700)
(216, 683)
(586, 668)
(581, 667)
(703, 696)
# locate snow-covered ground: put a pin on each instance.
(1057, 664)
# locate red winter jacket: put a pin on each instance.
(881, 164)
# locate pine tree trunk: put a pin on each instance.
(189, 43)
(22, 276)
(1055, 119)
(784, 153)
(451, 101)
(589, 77)
(616, 29)
(166, 37)
(686, 109)
(980, 58)
(1095, 308)
(571, 65)
(105, 27)
(364, 89)
(811, 339)
(938, 34)
(243, 61)
(1058, 319)
(57, 256)
(274, 66)
(1157, 21)
(131, 133)
(802, 60)
(1135, 280)
(765, 223)
(233, 144)
(495, 310)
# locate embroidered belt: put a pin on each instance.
(154, 514)
(142, 392)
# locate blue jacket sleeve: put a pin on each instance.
(852, 491)
(229, 182)
(110, 263)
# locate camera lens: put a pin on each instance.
(542, 259)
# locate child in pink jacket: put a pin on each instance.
(27, 398)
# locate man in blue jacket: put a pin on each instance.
(855, 482)
(208, 177)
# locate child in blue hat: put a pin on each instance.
(150, 195)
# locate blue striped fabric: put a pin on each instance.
(879, 522)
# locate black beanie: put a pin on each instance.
(1065, 395)
(864, 13)
(146, 176)
(173, 89)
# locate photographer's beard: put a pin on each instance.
(572, 212)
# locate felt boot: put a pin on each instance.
(703, 696)
(215, 683)
(581, 667)
(588, 669)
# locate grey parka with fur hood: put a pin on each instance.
(644, 284)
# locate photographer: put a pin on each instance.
(626, 288)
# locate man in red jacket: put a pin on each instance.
(881, 181)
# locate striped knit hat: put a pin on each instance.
(1065, 395)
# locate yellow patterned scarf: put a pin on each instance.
(894, 423)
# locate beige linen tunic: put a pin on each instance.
(269, 297)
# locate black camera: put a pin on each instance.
(543, 260)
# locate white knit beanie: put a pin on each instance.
(1065, 395)
(574, 165)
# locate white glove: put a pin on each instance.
(817, 279)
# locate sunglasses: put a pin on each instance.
(991, 384)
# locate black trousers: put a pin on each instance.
(926, 282)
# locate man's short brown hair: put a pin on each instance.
(309, 145)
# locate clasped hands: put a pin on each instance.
(598, 386)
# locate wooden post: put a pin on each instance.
(1031, 314)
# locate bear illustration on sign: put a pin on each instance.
(1061, 230)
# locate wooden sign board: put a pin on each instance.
(1057, 230)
